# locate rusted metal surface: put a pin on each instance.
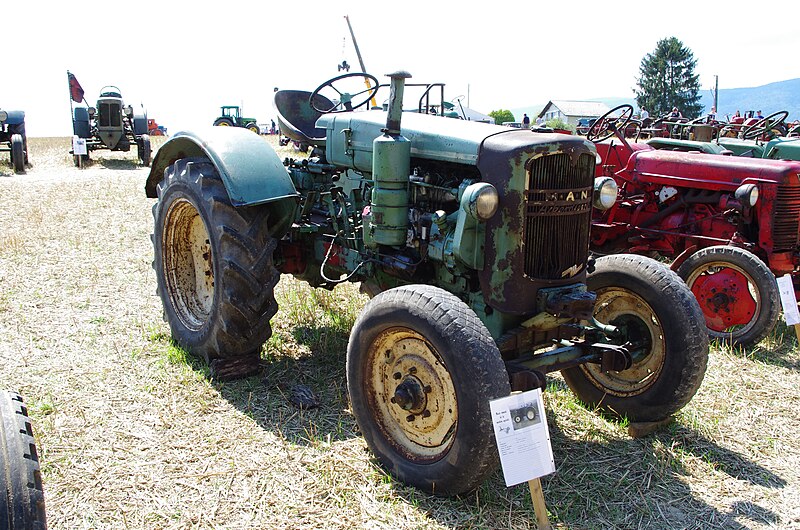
(539, 238)
(413, 396)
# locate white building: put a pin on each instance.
(572, 111)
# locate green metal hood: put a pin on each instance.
(350, 136)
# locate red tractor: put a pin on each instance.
(729, 224)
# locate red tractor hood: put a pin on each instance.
(698, 170)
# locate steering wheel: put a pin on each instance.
(764, 125)
(345, 99)
(606, 123)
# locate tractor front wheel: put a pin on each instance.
(661, 323)
(253, 127)
(145, 150)
(421, 369)
(736, 291)
(214, 268)
(18, 153)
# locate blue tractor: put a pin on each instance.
(13, 139)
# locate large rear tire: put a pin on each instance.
(21, 495)
(658, 315)
(737, 293)
(421, 369)
(213, 264)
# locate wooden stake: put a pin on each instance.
(539, 507)
(797, 332)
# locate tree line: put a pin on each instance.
(667, 80)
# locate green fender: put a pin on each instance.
(250, 169)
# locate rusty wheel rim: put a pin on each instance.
(187, 264)
(624, 308)
(411, 394)
(721, 327)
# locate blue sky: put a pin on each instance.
(184, 59)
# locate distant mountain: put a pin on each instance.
(781, 95)
(774, 97)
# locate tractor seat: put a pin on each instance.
(296, 117)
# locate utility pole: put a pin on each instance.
(360, 60)
(716, 92)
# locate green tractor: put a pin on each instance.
(472, 241)
(231, 118)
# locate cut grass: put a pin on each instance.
(133, 434)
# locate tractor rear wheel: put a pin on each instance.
(214, 268)
(21, 495)
(18, 153)
(421, 369)
(145, 151)
(656, 313)
(736, 291)
(223, 122)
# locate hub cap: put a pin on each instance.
(727, 296)
(411, 394)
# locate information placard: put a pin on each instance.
(788, 300)
(79, 146)
(523, 439)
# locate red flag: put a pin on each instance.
(75, 89)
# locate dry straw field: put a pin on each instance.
(133, 434)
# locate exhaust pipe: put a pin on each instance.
(391, 168)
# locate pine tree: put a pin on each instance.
(667, 80)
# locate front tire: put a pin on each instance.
(145, 150)
(18, 153)
(213, 264)
(21, 494)
(657, 313)
(737, 292)
(421, 369)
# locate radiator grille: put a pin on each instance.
(558, 215)
(787, 219)
(110, 115)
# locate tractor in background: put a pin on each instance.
(768, 137)
(231, 117)
(473, 242)
(154, 129)
(112, 125)
(13, 139)
(730, 224)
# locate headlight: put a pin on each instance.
(128, 111)
(747, 194)
(605, 193)
(3, 115)
(480, 200)
(92, 111)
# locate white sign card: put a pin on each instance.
(79, 146)
(788, 300)
(523, 439)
